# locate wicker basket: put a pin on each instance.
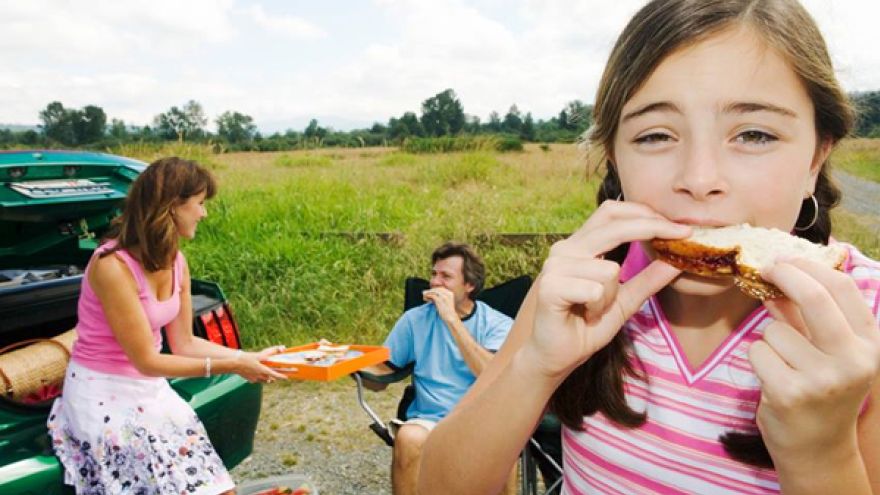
(32, 371)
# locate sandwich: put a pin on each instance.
(740, 251)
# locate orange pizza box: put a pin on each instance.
(324, 362)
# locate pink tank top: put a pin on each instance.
(96, 347)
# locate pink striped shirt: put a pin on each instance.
(677, 450)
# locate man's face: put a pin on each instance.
(449, 273)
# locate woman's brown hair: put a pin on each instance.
(656, 31)
(146, 222)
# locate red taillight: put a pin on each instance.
(227, 326)
(212, 328)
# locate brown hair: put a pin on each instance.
(655, 32)
(472, 266)
(146, 221)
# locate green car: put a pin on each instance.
(54, 207)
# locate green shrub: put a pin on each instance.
(450, 144)
(303, 161)
(398, 159)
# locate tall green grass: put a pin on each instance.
(270, 235)
(860, 157)
(292, 249)
(451, 144)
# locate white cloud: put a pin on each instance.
(65, 32)
(287, 26)
(136, 59)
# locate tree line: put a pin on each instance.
(440, 115)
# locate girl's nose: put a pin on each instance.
(701, 173)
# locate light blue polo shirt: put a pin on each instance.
(441, 376)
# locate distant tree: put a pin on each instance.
(494, 124)
(472, 124)
(89, 124)
(442, 114)
(30, 137)
(7, 137)
(314, 132)
(58, 124)
(118, 129)
(182, 123)
(235, 127)
(528, 128)
(868, 113)
(576, 116)
(512, 122)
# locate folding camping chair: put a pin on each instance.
(544, 451)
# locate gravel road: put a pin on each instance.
(861, 197)
(318, 430)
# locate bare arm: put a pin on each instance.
(116, 289)
(869, 438)
(475, 356)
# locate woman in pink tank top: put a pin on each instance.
(710, 113)
(119, 427)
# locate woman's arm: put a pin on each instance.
(117, 291)
(574, 308)
(180, 331)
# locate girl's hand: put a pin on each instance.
(816, 363)
(581, 304)
(251, 369)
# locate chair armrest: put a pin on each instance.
(395, 376)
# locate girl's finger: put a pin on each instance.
(772, 371)
(617, 233)
(562, 292)
(828, 326)
(601, 271)
(845, 293)
(633, 294)
(783, 309)
(792, 346)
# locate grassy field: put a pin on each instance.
(292, 239)
(860, 157)
(289, 236)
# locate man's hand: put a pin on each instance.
(444, 301)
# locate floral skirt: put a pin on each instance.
(115, 434)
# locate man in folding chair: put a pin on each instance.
(448, 341)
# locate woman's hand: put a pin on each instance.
(816, 363)
(581, 304)
(269, 351)
(251, 369)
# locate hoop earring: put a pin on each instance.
(815, 215)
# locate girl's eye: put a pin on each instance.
(654, 137)
(755, 137)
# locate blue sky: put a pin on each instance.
(347, 63)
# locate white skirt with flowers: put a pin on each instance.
(115, 434)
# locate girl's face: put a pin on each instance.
(188, 214)
(721, 133)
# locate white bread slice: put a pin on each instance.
(740, 251)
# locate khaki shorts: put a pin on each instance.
(395, 424)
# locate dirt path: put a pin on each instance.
(861, 197)
(319, 430)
